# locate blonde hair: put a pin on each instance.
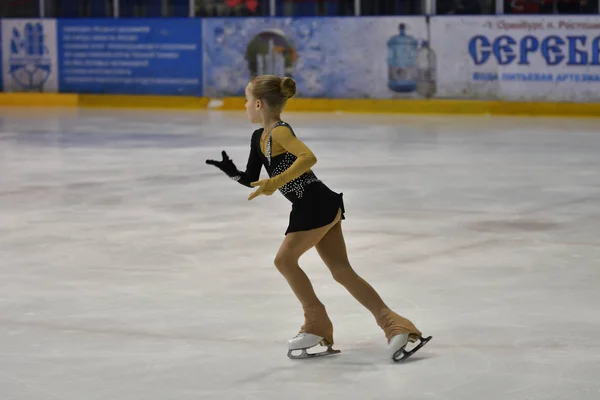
(273, 90)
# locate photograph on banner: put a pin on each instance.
(131, 56)
(1, 59)
(543, 58)
(29, 55)
(384, 57)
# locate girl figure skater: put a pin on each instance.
(315, 221)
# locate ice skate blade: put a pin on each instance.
(305, 354)
(403, 355)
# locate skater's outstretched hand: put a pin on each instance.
(265, 186)
(225, 165)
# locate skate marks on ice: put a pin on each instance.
(514, 226)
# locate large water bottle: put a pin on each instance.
(273, 62)
(402, 55)
(426, 74)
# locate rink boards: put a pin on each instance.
(534, 65)
(432, 106)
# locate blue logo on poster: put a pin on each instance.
(554, 49)
(30, 64)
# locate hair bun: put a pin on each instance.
(288, 87)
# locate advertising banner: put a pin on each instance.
(367, 57)
(29, 55)
(554, 58)
(1, 59)
(131, 56)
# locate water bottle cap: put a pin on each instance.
(402, 27)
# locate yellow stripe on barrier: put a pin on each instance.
(433, 106)
(131, 101)
(404, 106)
(38, 100)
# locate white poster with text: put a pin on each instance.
(518, 58)
(29, 55)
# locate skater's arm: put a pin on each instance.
(305, 158)
(253, 166)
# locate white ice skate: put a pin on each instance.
(397, 346)
(304, 341)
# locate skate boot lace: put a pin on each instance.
(386, 323)
(310, 318)
(391, 327)
(316, 322)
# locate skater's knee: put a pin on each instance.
(279, 261)
(343, 274)
(284, 262)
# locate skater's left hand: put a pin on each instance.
(265, 186)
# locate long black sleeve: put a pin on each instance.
(253, 166)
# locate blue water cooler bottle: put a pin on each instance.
(402, 62)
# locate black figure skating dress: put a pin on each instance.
(314, 205)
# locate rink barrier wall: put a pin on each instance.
(412, 64)
(133, 101)
(396, 106)
(433, 106)
(39, 100)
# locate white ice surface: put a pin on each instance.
(131, 270)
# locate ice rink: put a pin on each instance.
(131, 270)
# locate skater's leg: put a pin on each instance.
(332, 249)
(293, 247)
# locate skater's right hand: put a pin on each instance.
(225, 165)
